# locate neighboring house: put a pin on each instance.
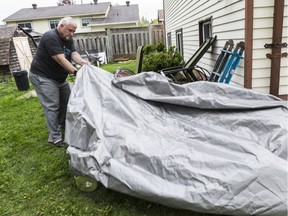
(16, 51)
(188, 23)
(118, 16)
(89, 17)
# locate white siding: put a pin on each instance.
(262, 34)
(228, 22)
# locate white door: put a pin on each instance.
(23, 52)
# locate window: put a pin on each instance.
(25, 25)
(169, 39)
(85, 21)
(205, 30)
(179, 41)
(54, 23)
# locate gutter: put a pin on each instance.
(106, 24)
(249, 16)
(276, 46)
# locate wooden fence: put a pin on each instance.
(119, 43)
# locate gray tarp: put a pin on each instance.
(203, 146)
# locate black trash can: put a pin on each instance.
(21, 79)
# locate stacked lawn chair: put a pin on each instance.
(190, 72)
(223, 69)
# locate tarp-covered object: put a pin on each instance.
(202, 146)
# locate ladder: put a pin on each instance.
(227, 62)
(232, 63)
(221, 61)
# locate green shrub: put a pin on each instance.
(156, 57)
(149, 49)
(159, 47)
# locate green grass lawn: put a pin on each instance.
(35, 178)
(127, 64)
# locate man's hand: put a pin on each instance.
(76, 57)
(83, 62)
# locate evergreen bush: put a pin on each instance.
(157, 57)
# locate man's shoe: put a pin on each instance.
(60, 144)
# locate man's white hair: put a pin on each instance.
(67, 21)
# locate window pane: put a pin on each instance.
(86, 21)
(169, 40)
(179, 41)
(206, 30)
(28, 25)
(53, 24)
(25, 25)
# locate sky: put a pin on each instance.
(147, 8)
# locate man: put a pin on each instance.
(49, 70)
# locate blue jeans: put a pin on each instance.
(54, 98)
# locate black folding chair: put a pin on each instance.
(190, 72)
(139, 59)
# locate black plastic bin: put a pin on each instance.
(21, 79)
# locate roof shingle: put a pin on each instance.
(119, 14)
(5, 36)
(59, 11)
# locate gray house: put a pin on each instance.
(89, 17)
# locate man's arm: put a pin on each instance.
(60, 59)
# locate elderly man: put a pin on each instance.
(49, 70)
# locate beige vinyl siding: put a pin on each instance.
(43, 25)
(228, 22)
(262, 34)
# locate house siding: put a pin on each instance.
(102, 15)
(228, 22)
(99, 28)
(189, 13)
(262, 34)
(42, 26)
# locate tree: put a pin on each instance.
(143, 22)
(65, 2)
